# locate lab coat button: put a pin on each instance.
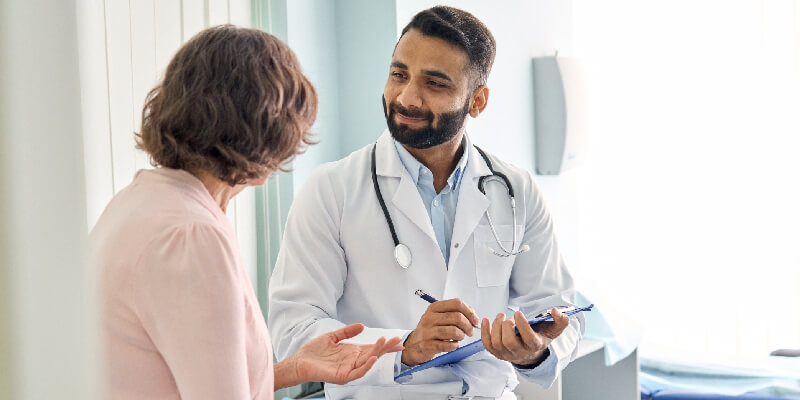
(455, 245)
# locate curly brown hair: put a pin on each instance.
(233, 102)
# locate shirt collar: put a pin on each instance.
(414, 167)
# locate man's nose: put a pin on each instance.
(410, 97)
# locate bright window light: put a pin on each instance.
(690, 196)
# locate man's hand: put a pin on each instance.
(443, 325)
(527, 348)
(324, 359)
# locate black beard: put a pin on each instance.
(448, 126)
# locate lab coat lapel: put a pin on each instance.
(406, 197)
(409, 202)
(472, 204)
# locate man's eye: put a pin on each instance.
(436, 84)
(398, 75)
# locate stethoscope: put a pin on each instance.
(402, 254)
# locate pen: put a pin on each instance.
(425, 296)
(431, 299)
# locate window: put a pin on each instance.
(690, 200)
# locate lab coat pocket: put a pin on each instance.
(492, 269)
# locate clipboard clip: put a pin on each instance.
(563, 309)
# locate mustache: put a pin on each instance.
(412, 113)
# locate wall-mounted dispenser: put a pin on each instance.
(560, 113)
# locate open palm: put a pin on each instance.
(324, 359)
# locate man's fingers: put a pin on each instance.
(526, 333)
(441, 346)
(486, 336)
(510, 340)
(445, 333)
(347, 332)
(456, 319)
(456, 305)
(553, 329)
(497, 334)
(433, 347)
(471, 315)
(561, 319)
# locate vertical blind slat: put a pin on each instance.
(120, 76)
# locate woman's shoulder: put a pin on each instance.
(145, 214)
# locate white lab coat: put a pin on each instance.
(336, 266)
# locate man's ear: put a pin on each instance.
(478, 101)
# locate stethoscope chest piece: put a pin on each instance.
(403, 255)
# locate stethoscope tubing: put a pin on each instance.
(402, 252)
(380, 199)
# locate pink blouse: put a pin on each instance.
(178, 312)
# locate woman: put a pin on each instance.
(180, 318)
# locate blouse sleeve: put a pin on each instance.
(191, 303)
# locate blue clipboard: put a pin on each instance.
(474, 347)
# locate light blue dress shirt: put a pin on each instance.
(441, 207)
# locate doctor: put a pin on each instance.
(413, 212)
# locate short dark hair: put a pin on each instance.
(233, 102)
(461, 29)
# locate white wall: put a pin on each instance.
(365, 40)
(311, 26)
(124, 49)
(48, 332)
(345, 47)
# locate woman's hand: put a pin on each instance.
(324, 359)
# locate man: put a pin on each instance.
(366, 232)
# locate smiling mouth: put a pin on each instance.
(404, 118)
